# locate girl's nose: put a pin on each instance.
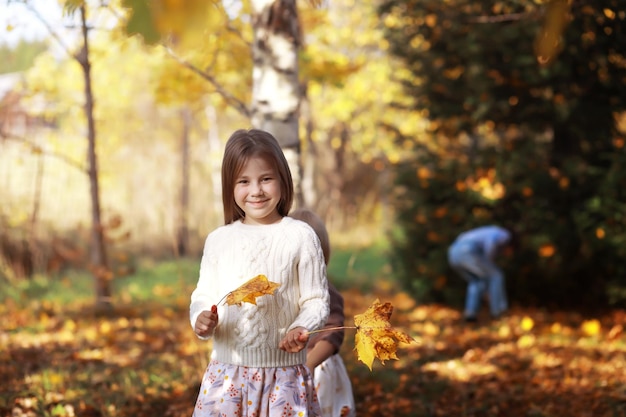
(257, 188)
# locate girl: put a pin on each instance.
(257, 362)
(332, 383)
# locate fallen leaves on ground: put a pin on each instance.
(250, 290)
(144, 360)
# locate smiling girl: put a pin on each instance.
(258, 356)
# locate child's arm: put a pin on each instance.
(319, 353)
(326, 343)
(202, 314)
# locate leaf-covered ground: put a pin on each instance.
(143, 360)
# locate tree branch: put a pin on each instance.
(229, 98)
(37, 149)
(510, 17)
(52, 32)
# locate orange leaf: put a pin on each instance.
(249, 291)
(375, 337)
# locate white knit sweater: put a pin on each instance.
(289, 254)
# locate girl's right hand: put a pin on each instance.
(206, 322)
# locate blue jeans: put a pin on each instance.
(482, 276)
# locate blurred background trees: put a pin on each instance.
(417, 120)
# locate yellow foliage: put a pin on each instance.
(403, 300)
(431, 20)
(375, 337)
(431, 329)
(504, 331)
(69, 325)
(591, 327)
(249, 291)
(423, 173)
(615, 332)
(547, 42)
(359, 88)
(527, 324)
(105, 327)
(526, 341)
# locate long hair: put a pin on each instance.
(242, 145)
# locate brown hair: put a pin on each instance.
(241, 146)
(316, 222)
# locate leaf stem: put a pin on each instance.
(222, 299)
(332, 328)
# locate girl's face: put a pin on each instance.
(257, 192)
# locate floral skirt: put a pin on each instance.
(240, 391)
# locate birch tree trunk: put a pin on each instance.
(276, 92)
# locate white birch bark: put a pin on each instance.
(276, 92)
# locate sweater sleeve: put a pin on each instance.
(202, 298)
(314, 296)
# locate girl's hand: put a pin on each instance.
(206, 322)
(295, 340)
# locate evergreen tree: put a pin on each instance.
(553, 74)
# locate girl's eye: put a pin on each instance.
(266, 179)
(242, 181)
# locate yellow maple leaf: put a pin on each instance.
(375, 337)
(249, 291)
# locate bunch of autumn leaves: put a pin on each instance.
(375, 337)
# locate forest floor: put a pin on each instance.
(60, 359)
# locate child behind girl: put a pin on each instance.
(257, 365)
(333, 386)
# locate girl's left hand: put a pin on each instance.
(295, 340)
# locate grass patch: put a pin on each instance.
(359, 267)
(168, 282)
(63, 288)
(161, 282)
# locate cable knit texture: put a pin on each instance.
(288, 253)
